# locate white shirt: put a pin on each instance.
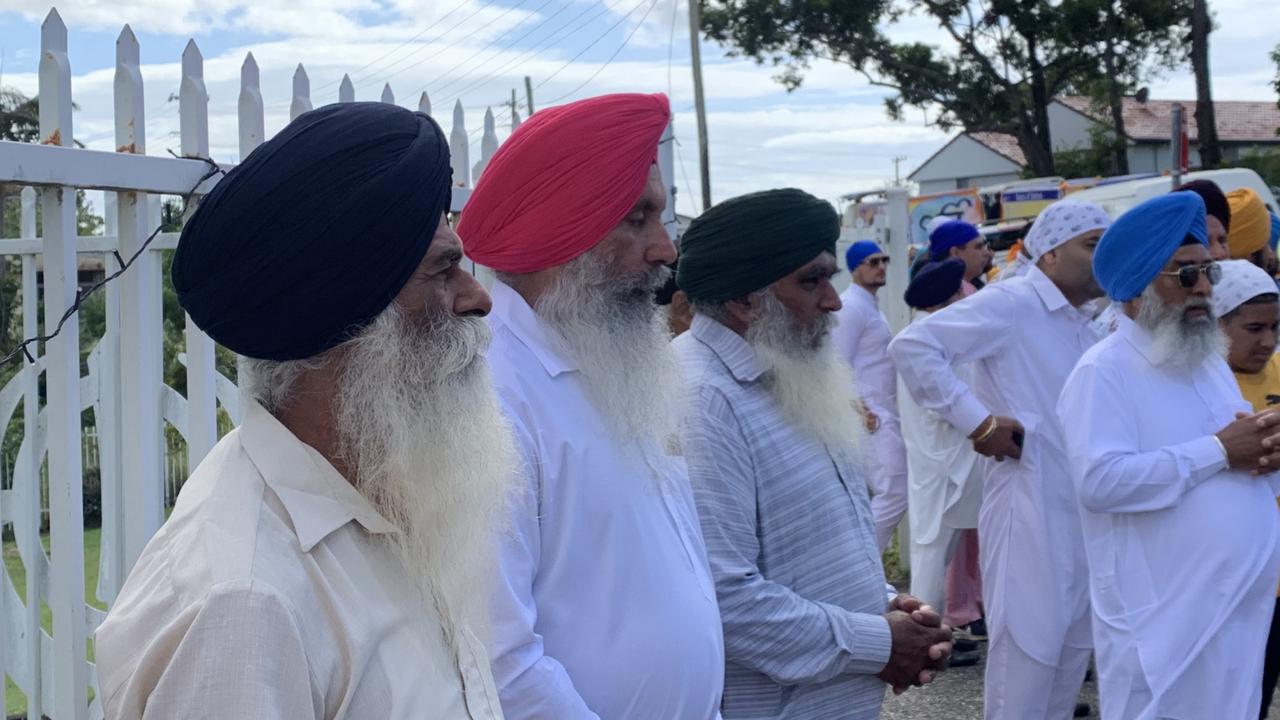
(606, 607)
(944, 471)
(1023, 339)
(861, 336)
(1182, 551)
(272, 592)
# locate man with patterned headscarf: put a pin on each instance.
(606, 607)
(1180, 525)
(1023, 337)
(772, 440)
(323, 560)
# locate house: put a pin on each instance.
(979, 158)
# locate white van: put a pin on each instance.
(1117, 198)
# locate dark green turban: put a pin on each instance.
(752, 241)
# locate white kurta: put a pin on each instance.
(606, 607)
(1184, 553)
(271, 592)
(861, 337)
(944, 488)
(1023, 339)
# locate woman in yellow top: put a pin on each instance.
(1248, 307)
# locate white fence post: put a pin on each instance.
(202, 399)
(388, 96)
(897, 240)
(252, 123)
(488, 144)
(460, 148)
(424, 103)
(667, 167)
(28, 534)
(301, 101)
(140, 349)
(346, 90)
(66, 509)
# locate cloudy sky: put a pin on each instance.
(830, 137)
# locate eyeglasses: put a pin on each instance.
(877, 262)
(1189, 275)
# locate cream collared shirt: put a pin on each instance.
(272, 592)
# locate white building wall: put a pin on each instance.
(948, 184)
(1068, 129)
(962, 161)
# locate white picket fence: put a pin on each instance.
(124, 385)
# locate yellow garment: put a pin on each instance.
(1262, 390)
(1250, 223)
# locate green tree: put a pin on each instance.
(1206, 120)
(1007, 60)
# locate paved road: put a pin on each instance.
(957, 695)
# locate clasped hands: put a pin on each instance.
(1252, 442)
(921, 644)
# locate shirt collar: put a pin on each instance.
(316, 497)
(865, 294)
(510, 310)
(1139, 337)
(1049, 293)
(730, 347)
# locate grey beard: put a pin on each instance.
(425, 442)
(1180, 344)
(614, 332)
(812, 385)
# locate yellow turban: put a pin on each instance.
(1250, 223)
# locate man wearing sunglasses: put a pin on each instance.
(861, 337)
(1174, 479)
(1023, 337)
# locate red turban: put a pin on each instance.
(562, 181)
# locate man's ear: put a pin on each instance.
(744, 309)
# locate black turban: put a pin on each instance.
(316, 232)
(1215, 201)
(748, 243)
(935, 284)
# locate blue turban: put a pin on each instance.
(1138, 244)
(859, 252)
(1275, 231)
(315, 233)
(952, 233)
(935, 284)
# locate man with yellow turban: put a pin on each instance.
(605, 606)
(1250, 230)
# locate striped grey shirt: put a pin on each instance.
(790, 538)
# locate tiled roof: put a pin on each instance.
(1254, 122)
(1002, 143)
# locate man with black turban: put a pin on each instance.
(606, 609)
(324, 559)
(773, 443)
(1173, 475)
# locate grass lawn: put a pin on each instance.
(15, 702)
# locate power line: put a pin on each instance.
(399, 47)
(626, 40)
(593, 43)
(486, 48)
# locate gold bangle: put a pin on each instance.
(991, 430)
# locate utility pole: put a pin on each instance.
(897, 176)
(699, 102)
(528, 92)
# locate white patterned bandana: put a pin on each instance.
(1061, 222)
(1241, 282)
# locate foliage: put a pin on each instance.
(1265, 163)
(1007, 60)
(1098, 159)
(1275, 84)
(19, 116)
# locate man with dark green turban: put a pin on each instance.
(772, 438)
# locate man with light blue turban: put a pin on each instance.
(1174, 481)
(861, 336)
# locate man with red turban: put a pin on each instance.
(605, 605)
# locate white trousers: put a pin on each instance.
(888, 479)
(929, 567)
(1017, 687)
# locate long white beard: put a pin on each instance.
(422, 434)
(812, 385)
(617, 336)
(1180, 344)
